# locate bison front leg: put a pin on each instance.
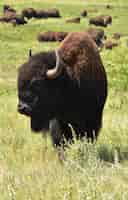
(60, 132)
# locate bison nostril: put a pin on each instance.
(24, 109)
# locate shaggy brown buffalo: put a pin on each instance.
(63, 88)
(51, 36)
(102, 20)
(74, 20)
(40, 13)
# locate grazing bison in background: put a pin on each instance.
(51, 36)
(102, 20)
(97, 35)
(73, 20)
(65, 87)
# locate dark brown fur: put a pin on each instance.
(77, 96)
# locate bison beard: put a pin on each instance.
(38, 125)
(71, 90)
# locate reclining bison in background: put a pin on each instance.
(65, 87)
(40, 13)
(73, 20)
(51, 36)
(96, 34)
(102, 20)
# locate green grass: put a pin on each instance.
(29, 165)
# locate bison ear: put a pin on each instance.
(30, 53)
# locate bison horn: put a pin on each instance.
(30, 53)
(55, 72)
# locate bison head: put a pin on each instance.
(39, 88)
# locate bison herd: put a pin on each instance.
(10, 16)
(65, 88)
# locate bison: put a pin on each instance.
(102, 20)
(40, 13)
(73, 20)
(64, 88)
(51, 36)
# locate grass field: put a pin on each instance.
(29, 165)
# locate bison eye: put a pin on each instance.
(35, 85)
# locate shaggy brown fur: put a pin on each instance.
(97, 35)
(78, 50)
(73, 20)
(51, 36)
(102, 20)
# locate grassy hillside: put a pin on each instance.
(29, 165)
